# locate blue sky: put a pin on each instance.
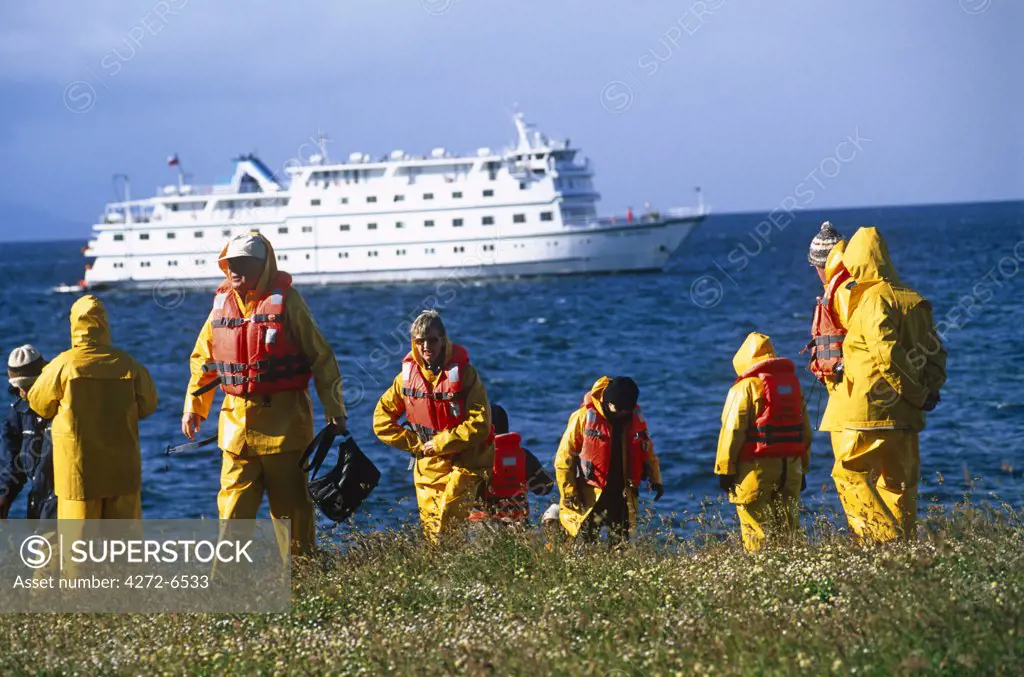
(865, 103)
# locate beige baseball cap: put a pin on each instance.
(249, 244)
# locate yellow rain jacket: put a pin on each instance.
(893, 356)
(284, 421)
(578, 498)
(95, 395)
(447, 480)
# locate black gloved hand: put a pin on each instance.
(931, 401)
(803, 482)
(659, 490)
(727, 482)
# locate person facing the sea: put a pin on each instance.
(26, 453)
(516, 471)
(95, 394)
(604, 455)
(894, 367)
(764, 447)
(261, 345)
(827, 331)
(449, 432)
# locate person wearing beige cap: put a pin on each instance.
(261, 346)
(95, 394)
(26, 446)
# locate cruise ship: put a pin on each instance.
(527, 210)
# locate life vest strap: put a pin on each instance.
(775, 434)
(424, 395)
(593, 432)
(827, 339)
(423, 432)
(228, 322)
(206, 388)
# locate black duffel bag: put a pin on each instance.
(343, 489)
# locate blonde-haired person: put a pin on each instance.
(444, 402)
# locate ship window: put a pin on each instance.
(428, 196)
(197, 234)
(342, 255)
(488, 221)
(282, 257)
(457, 223)
(144, 264)
(459, 250)
(400, 252)
(372, 253)
(344, 227)
(226, 232)
(119, 265)
(307, 257)
(399, 198)
(546, 216)
(172, 263)
(118, 237)
(522, 185)
(315, 202)
(171, 235)
(399, 224)
(371, 198)
(344, 200)
(371, 226)
(143, 236)
(283, 230)
(457, 195)
(200, 262)
(428, 250)
(307, 229)
(519, 218)
(429, 223)
(488, 193)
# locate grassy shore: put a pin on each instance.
(951, 603)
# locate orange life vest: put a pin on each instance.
(778, 431)
(827, 334)
(255, 355)
(504, 497)
(596, 453)
(431, 408)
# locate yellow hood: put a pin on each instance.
(89, 326)
(597, 393)
(756, 348)
(269, 270)
(834, 262)
(867, 257)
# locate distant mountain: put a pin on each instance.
(22, 223)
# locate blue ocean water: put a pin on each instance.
(540, 343)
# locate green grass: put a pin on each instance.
(950, 603)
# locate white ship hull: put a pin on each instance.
(526, 211)
(640, 248)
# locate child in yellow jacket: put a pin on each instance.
(765, 443)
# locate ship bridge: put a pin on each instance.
(253, 176)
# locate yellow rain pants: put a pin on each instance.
(244, 478)
(876, 474)
(124, 507)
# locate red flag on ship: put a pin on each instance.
(172, 161)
